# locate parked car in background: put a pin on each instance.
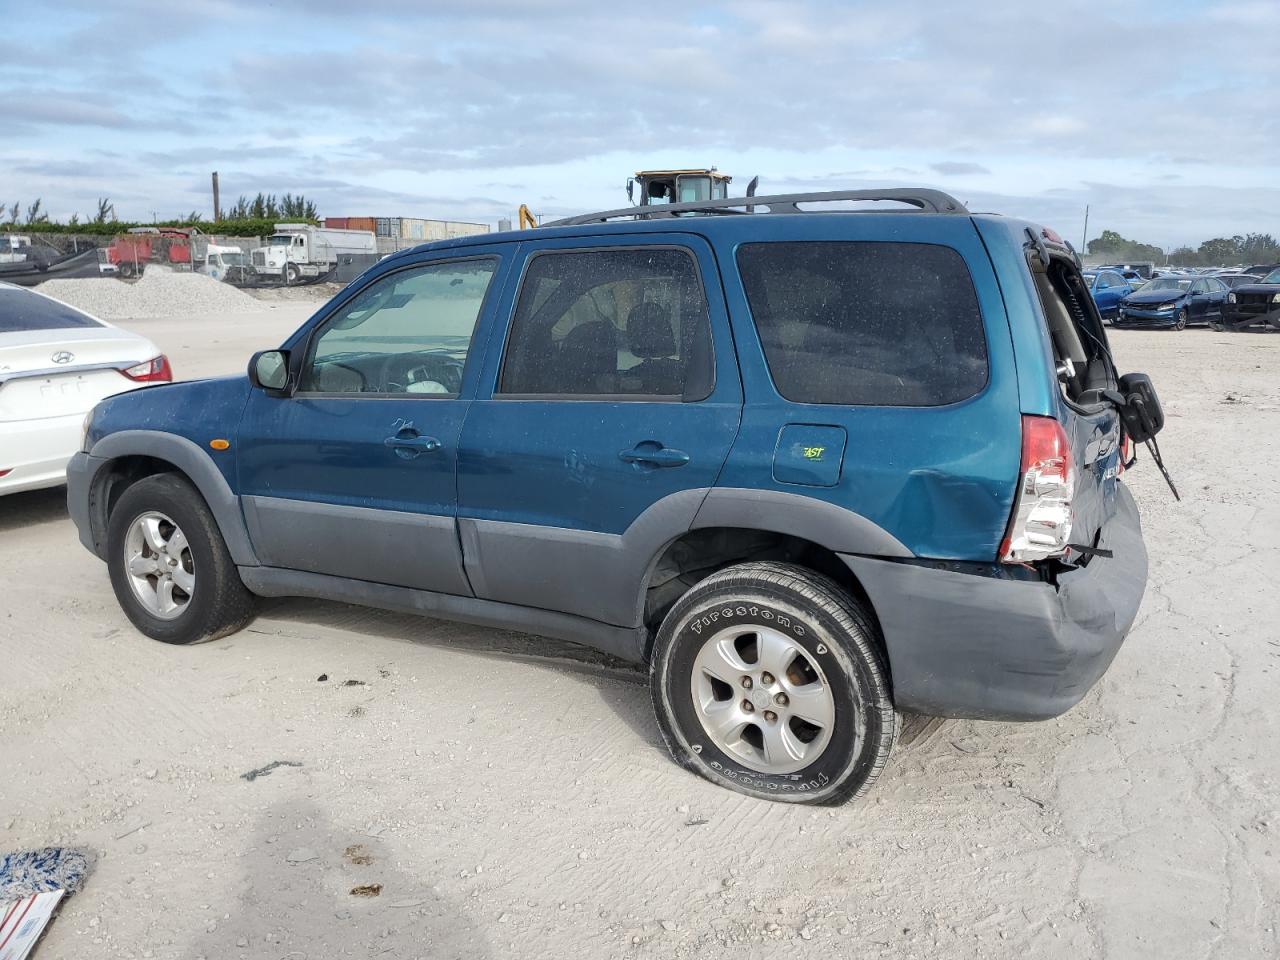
(1173, 302)
(56, 362)
(1253, 305)
(811, 468)
(1233, 280)
(1108, 288)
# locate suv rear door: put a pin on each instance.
(605, 411)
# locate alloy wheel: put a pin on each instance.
(763, 699)
(159, 565)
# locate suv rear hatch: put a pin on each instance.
(1085, 369)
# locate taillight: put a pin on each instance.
(1041, 523)
(156, 370)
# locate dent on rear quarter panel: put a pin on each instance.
(1037, 384)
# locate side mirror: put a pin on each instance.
(1141, 411)
(269, 370)
(631, 190)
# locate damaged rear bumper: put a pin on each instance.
(965, 645)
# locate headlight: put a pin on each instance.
(1168, 306)
(1231, 298)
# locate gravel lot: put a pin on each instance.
(512, 797)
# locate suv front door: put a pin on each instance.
(606, 410)
(353, 474)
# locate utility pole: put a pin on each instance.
(217, 207)
(1084, 241)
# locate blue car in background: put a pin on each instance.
(1108, 287)
(1173, 302)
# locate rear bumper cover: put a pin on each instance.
(962, 645)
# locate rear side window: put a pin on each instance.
(22, 311)
(628, 323)
(866, 323)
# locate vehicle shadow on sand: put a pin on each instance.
(304, 887)
(621, 685)
(18, 510)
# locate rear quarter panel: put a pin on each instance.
(939, 479)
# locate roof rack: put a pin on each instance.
(928, 201)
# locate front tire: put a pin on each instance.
(768, 679)
(169, 566)
(1181, 322)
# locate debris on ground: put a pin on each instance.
(32, 884)
(263, 771)
(357, 855)
(366, 890)
(353, 683)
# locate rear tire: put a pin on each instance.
(768, 679)
(169, 566)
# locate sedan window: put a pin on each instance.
(22, 311)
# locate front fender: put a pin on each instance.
(189, 459)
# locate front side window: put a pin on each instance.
(408, 332)
(621, 323)
(868, 323)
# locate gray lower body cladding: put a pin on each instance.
(626, 643)
(969, 646)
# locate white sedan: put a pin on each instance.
(56, 363)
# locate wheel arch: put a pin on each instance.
(698, 553)
(131, 455)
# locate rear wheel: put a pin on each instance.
(170, 569)
(767, 678)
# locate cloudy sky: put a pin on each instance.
(1162, 116)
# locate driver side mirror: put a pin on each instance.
(269, 370)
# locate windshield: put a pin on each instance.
(1167, 283)
(693, 189)
(1272, 277)
(234, 259)
(281, 238)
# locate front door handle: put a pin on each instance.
(653, 454)
(413, 443)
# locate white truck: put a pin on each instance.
(299, 250)
(224, 263)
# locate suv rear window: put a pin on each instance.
(625, 323)
(22, 311)
(866, 323)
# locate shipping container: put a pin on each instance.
(363, 223)
(337, 223)
(413, 228)
(387, 226)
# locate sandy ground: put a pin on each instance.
(513, 799)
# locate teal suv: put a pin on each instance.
(813, 467)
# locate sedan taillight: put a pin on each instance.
(1041, 522)
(156, 370)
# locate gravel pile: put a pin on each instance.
(159, 293)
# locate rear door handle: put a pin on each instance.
(654, 455)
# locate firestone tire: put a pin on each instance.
(218, 602)
(835, 649)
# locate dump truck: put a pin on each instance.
(298, 250)
(682, 186)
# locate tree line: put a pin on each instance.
(1239, 250)
(246, 217)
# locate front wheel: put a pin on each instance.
(1181, 322)
(169, 567)
(292, 273)
(768, 678)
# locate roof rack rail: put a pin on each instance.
(928, 201)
